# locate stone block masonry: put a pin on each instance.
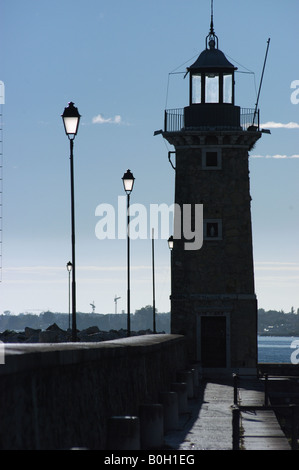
(61, 396)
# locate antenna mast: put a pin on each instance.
(258, 96)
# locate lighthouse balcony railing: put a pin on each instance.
(175, 120)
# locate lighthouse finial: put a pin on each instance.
(212, 39)
(212, 18)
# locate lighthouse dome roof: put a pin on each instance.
(211, 59)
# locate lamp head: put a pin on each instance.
(170, 242)
(71, 119)
(128, 181)
(69, 266)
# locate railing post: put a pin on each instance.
(266, 390)
(236, 428)
(294, 409)
(235, 378)
(173, 120)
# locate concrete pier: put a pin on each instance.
(93, 396)
(210, 424)
(61, 395)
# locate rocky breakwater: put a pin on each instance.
(54, 334)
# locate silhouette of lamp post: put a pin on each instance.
(170, 246)
(128, 182)
(71, 119)
(69, 269)
(154, 290)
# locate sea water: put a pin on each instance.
(279, 349)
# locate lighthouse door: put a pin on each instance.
(213, 341)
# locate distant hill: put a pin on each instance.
(274, 323)
(270, 323)
(141, 320)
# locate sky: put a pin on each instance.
(121, 63)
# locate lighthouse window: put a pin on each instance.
(211, 159)
(227, 88)
(196, 88)
(212, 88)
(212, 229)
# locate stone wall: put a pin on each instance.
(60, 396)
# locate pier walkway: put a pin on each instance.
(208, 426)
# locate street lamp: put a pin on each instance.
(170, 242)
(154, 294)
(69, 269)
(170, 246)
(128, 182)
(71, 119)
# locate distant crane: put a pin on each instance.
(93, 307)
(115, 301)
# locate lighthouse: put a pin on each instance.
(213, 300)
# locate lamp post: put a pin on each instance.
(170, 246)
(71, 119)
(128, 182)
(154, 294)
(69, 269)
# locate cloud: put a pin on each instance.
(276, 266)
(280, 125)
(275, 156)
(276, 272)
(99, 119)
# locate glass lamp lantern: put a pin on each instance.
(170, 242)
(128, 181)
(71, 119)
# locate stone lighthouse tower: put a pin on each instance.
(213, 301)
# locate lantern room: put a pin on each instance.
(212, 89)
(212, 77)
